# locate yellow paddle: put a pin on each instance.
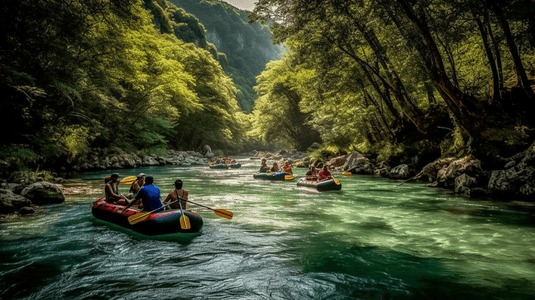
(227, 214)
(336, 181)
(184, 220)
(288, 177)
(133, 219)
(347, 174)
(128, 180)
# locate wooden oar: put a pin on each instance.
(133, 219)
(227, 214)
(128, 180)
(184, 220)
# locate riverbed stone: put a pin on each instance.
(11, 202)
(41, 193)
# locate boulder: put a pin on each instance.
(448, 173)
(41, 193)
(150, 161)
(356, 163)
(337, 162)
(463, 184)
(516, 181)
(207, 150)
(400, 172)
(11, 202)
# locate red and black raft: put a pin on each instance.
(157, 223)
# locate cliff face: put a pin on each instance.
(247, 48)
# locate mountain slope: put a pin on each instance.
(247, 47)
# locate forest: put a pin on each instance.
(400, 81)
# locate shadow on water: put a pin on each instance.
(181, 238)
(27, 278)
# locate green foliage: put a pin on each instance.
(22, 157)
(76, 140)
(82, 74)
(387, 150)
(247, 48)
(219, 153)
(374, 72)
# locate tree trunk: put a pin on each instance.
(468, 111)
(514, 51)
(495, 79)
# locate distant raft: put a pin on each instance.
(223, 166)
(280, 176)
(325, 185)
(158, 223)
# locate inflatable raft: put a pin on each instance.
(223, 166)
(326, 185)
(274, 176)
(158, 223)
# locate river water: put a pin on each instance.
(371, 240)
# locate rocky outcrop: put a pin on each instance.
(400, 172)
(11, 202)
(41, 193)
(294, 157)
(517, 179)
(32, 195)
(128, 161)
(357, 163)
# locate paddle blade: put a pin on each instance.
(128, 180)
(184, 222)
(336, 182)
(227, 214)
(288, 177)
(347, 174)
(133, 219)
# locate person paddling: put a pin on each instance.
(112, 190)
(179, 192)
(324, 174)
(264, 168)
(149, 195)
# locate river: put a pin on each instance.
(371, 240)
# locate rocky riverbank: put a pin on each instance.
(22, 193)
(465, 176)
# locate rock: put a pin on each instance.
(11, 202)
(356, 163)
(150, 161)
(510, 164)
(463, 184)
(43, 192)
(400, 172)
(207, 150)
(517, 181)
(447, 174)
(26, 210)
(4, 168)
(337, 162)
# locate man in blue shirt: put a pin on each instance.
(149, 195)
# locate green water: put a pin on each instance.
(371, 240)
